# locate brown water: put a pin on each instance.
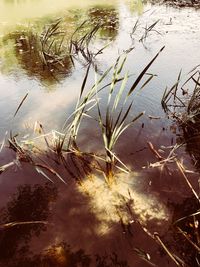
(80, 225)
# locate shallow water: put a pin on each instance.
(85, 217)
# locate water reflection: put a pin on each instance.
(108, 18)
(37, 61)
(69, 217)
(43, 49)
(57, 255)
(137, 6)
(191, 137)
(92, 218)
(73, 223)
(62, 255)
(16, 1)
(188, 224)
(29, 204)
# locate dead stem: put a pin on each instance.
(13, 224)
(182, 171)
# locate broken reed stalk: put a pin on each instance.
(173, 257)
(182, 171)
(13, 224)
(156, 237)
(192, 236)
(154, 151)
(6, 166)
(188, 239)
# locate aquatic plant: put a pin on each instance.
(80, 44)
(43, 55)
(147, 30)
(112, 124)
(50, 53)
(108, 18)
(115, 122)
(181, 104)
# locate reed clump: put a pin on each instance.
(181, 104)
(113, 120)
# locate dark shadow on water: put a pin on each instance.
(28, 204)
(72, 219)
(62, 255)
(178, 241)
(37, 203)
(191, 138)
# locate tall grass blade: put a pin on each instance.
(114, 156)
(178, 81)
(118, 96)
(84, 81)
(143, 72)
(21, 103)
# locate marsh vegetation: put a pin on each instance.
(99, 163)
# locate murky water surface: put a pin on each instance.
(89, 225)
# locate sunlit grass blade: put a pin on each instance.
(144, 256)
(40, 171)
(13, 224)
(123, 164)
(121, 90)
(3, 142)
(186, 217)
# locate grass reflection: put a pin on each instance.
(42, 49)
(29, 204)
